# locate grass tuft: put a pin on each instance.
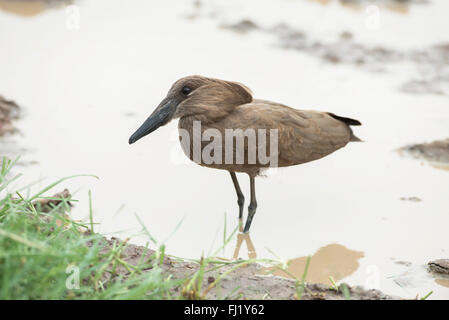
(46, 255)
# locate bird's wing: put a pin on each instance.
(303, 135)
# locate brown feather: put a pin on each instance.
(303, 135)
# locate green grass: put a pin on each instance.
(43, 254)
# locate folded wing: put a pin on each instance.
(303, 135)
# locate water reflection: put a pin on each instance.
(28, 8)
(443, 282)
(441, 166)
(22, 8)
(333, 260)
(245, 237)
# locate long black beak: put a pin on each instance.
(159, 117)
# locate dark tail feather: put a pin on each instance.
(349, 122)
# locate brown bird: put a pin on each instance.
(211, 108)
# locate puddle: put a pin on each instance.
(83, 98)
(29, 8)
(333, 260)
(443, 282)
(23, 8)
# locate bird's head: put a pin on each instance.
(195, 96)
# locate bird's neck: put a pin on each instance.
(188, 121)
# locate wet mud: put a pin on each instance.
(249, 281)
(9, 111)
(440, 270)
(440, 266)
(436, 152)
(430, 64)
(251, 284)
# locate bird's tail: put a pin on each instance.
(349, 122)
(353, 137)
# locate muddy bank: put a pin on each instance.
(244, 282)
(241, 280)
(436, 152)
(440, 266)
(9, 111)
(440, 271)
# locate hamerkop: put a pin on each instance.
(219, 108)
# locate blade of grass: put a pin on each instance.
(91, 216)
(427, 295)
(22, 240)
(58, 182)
(303, 279)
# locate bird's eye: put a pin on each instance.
(186, 90)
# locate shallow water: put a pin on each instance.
(86, 84)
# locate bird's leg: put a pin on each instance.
(240, 198)
(252, 206)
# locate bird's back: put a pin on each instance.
(303, 135)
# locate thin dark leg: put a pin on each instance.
(240, 197)
(252, 206)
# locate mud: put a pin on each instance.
(440, 271)
(247, 280)
(46, 205)
(250, 281)
(430, 65)
(397, 6)
(436, 152)
(244, 26)
(439, 266)
(379, 2)
(411, 199)
(9, 111)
